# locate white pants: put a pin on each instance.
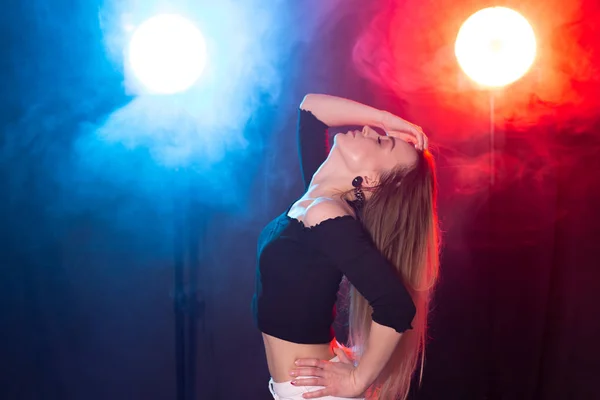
(287, 391)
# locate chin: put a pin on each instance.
(338, 137)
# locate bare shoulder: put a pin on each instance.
(324, 209)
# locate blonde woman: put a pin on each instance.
(369, 214)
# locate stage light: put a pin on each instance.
(167, 54)
(495, 46)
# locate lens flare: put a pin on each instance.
(167, 53)
(495, 46)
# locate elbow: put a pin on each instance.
(397, 314)
(409, 310)
(404, 316)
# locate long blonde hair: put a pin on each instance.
(401, 217)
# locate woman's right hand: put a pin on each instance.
(402, 129)
(337, 378)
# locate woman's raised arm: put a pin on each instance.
(337, 111)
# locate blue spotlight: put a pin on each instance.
(167, 54)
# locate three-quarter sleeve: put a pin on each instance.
(312, 144)
(350, 248)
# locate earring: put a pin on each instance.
(358, 193)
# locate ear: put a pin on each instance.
(371, 180)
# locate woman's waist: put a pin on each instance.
(282, 354)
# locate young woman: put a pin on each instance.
(369, 214)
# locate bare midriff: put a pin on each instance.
(282, 354)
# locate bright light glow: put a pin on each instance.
(167, 53)
(495, 46)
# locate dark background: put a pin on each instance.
(86, 290)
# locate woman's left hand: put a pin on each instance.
(402, 129)
(339, 378)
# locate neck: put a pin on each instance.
(329, 181)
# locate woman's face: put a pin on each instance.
(367, 153)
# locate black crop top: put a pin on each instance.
(299, 269)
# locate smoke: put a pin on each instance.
(408, 49)
(77, 143)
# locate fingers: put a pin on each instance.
(310, 362)
(416, 131)
(307, 371)
(409, 138)
(418, 138)
(394, 124)
(309, 382)
(424, 139)
(418, 134)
